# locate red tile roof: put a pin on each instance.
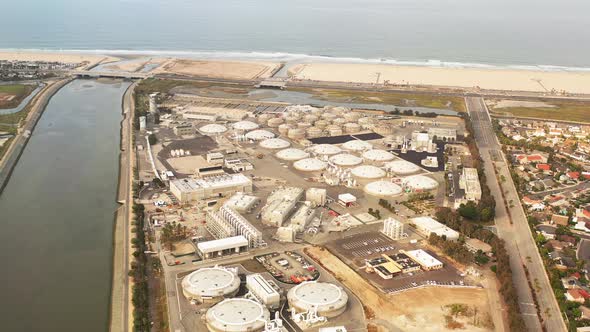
(544, 167)
(534, 157)
(573, 175)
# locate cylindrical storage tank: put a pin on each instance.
(237, 315)
(284, 128)
(383, 189)
(335, 132)
(274, 143)
(420, 183)
(332, 127)
(383, 129)
(291, 119)
(340, 110)
(378, 155)
(328, 299)
(325, 149)
(259, 134)
(210, 284)
(212, 129)
(368, 172)
(304, 125)
(292, 154)
(352, 116)
(310, 118)
(357, 145)
(310, 165)
(245, 125)
(317, 112)
(321, 124)
(352, 127)
(339, 121)
(402, 167)
(346, 159)
(275, 122)
(366, 120)
(296, 133)
(329, 116)
(314, 132)
(263, 118)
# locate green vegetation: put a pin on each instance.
(20, 91)
(173, 232)
(390, 98)
(455, 250)
(152, 139)
(139, 270)
(568, 110)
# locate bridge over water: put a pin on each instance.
(110, 74)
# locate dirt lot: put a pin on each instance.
(219, 69)
(419, 309)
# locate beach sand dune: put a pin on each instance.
(469, 78)
(86, 59)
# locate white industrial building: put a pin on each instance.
(426, 261)
(393, 228)
(422, 142)
(237, 315)
(222, 247)
(317, 196)
(469, 181)
(242, 202)
(443, 134)
(280, 204)
(327, 299)
(427, 225)
(211, 284)
(302, 217)
(263, 291)
(192, 190)
(226, 218)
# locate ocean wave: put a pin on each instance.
(294, 58)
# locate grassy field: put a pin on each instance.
(20, 91)
(14, 118)
(578, 111)
(390, 98)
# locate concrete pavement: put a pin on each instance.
(513, 228)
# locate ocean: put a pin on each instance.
(550, 35)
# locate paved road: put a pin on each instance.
(519, 240)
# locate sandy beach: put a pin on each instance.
(56, 57)
(470, 78)
(219, 69)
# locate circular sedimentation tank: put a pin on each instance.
(383, 129)
(346, 159)
(263, 118)
(284, 128)
(329, 116)
(368, 172)
(328, 299)
(383, 189)
(237, 315)
(378, 155)
(210, 284)
(213, 129)
(357, 145)
(352, 127)
(310, 165)
(325, 149)
(313, 132)
(310, 118)
(275, 122)
(321, 124)
(352, 116)
(296, 133)
(274, 143)
(245, 125)
(292, 154)
(335, 132)
(339, 121)
(402, 167)
(304, 125)
(420, 182)
(259, 134)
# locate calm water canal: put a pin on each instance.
(57, 213)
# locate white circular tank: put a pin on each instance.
(210, 284)
(321, 124)
(402, 167)
(357, 145)
(274, 143)
(346, 159)
(245, 125)
(237, 315)
(259, 134)
(330, 300)
(368, 172)
(378, 155)
(263, 118)
(310, 165)
(313, 132)
(284, 128)
(292, 154)
(275, 122)
(325, 149)
(383, 189)
(296, 133)
(352, 127)
(420, 182)
(212, 129)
